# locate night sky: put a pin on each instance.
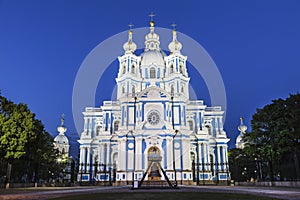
(255, 45)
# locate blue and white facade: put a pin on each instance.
(153, 113)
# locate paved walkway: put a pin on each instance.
(275, 192)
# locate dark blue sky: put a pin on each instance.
(255, 45)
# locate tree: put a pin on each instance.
(24, 142)
(275, 133)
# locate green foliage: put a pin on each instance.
(24, 142)
(17, 129)
(275, 133)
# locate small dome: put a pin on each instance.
(175, 46)
(129, 46)
(242, 128)
(61, 139)
(153, 57)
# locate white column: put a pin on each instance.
(186, 154)
(119, 156)
(122, 157)
(198, 121)
(102, 162)
(81, 162)
(99, 155)
(107, 156)
(169, 153)
(88, 158)
(205, 154)
(93, 166)
(225, 158)
(216, 126)
(138, 154)
(221, 124)
(219, 158)
(200, 156)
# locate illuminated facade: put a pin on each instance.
(153, 115)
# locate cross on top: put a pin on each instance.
(62, 119)
(174, 26)
(151, 15)
(130, 25)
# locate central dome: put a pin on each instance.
(153, 57)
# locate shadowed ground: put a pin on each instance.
(124, 192)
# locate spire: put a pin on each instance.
(152, 39)
(151, 15)
(175, 46)
(129, 46)
(62, 129)
(62, 119)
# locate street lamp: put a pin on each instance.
(176, 131)
(174, 166)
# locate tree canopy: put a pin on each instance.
(275, 138)
(24, 142)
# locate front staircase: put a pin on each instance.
(155, 184)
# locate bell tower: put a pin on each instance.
(176, 76)
(129, 77)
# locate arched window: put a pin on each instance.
(181, 69)
(133, 69)
(208, 129)
(191, 125)
(172, 90)
(116, 126)
(182, 89)
(63, 151)
(124, 69)
(133, 89)
(98, 130)
(152, 72)
(123, 89)
(171, 69)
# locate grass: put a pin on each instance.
(164, 196)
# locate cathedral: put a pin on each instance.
(153, 131)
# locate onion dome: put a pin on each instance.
(129, 46)
(175, 46)
(152, 54)
(152, 39)
(61, 138)
(242, 128)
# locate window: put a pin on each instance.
(172, 90)
(182, 89)
(123, 89)
(133, 69)
(116, 126)
(171, 69)
(133, 89)
(124, 69)
(152, 72)
(208, 129)
(98, 130)
(181, 69)
(191, 126)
